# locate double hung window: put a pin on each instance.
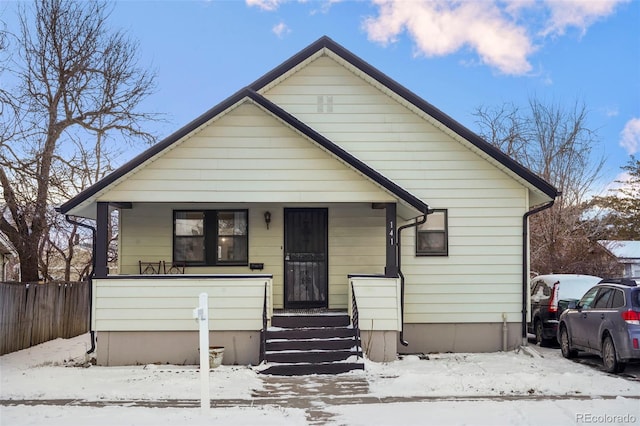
(432, 236)
(210, 237)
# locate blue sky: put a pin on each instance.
(456, 55)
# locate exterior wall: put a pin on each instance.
(632, 269)
(174, 347)
(166, 304)
(356, 242)
(460, 337)
(379, 315)
(378, 301)
(246, 155)
(481, 278)
(380, 346)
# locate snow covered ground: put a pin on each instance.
(46, 385)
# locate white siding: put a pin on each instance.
(485, 204)
(248, 159)
(246, 155)
(378, 301)
(356, 242)
(148, 304)
(356, 245)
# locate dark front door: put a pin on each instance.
(305, 258)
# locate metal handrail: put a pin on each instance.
(355, 321)
(263, 333)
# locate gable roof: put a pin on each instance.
(430, 110)
(252, 92)
(624, 251)
(278, 112)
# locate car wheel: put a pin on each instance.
(540, 340)
(565, 345)
(609, 357)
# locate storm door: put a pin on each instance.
(305, 258)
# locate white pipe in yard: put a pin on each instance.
(201, 313)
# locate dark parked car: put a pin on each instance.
(605, 322)
(550, 295)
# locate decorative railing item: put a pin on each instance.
(173, 267)
(355, 320)
(150, 268)
(263, 332)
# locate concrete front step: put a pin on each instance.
(305, 321)
(310, 333)
(311, 344)
(310, 356)
(312, 368)
(300, 344)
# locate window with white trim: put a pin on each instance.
(210, 237)
(432, 236)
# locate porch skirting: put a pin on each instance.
(459, 337)
(174, 347)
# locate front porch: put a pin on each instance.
(143, 319)
(274, 256)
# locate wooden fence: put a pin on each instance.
(35, 313)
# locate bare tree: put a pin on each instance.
(554, 142)
(66, 244)
(76, 80)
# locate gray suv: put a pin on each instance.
(605, 322)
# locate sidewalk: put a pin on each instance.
(44, 385)
(317, 396)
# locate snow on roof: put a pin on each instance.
(622, 249)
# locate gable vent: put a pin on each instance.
(325, 103)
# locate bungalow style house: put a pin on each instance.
(327, 188)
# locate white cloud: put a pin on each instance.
(577, 13)
(611, 111)
(630, 136)
(442, 27)
(281, 29)
(269, 5)
(500, 32)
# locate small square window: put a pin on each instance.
(432, 236)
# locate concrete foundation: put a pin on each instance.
(243, 347)
(174, 347)
(460, 337)
(379, 346)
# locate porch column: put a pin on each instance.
(102, 240)
(391, 268)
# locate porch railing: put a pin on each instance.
(378, 300)
(355, 321)
(263, 333)
(164, 302)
